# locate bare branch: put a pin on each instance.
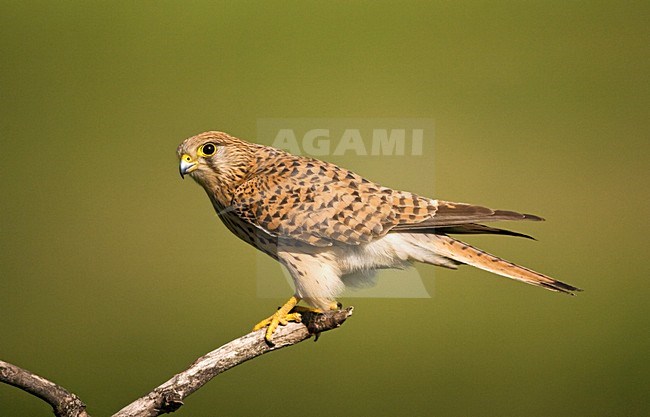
(64, 403)
(169, 396)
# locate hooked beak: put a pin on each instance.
(187, 165)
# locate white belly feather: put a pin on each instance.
(321, 276)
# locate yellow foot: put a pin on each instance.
(288, 312)
(280, 317)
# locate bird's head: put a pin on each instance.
(215, 160)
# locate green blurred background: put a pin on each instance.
(115, 274)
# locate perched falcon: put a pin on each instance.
(331, 227)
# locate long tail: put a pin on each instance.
(466, 254)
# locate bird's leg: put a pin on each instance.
(290, 311)
(280, 317)
(302, 309)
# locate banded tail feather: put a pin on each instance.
(462, 252)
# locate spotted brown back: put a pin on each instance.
(320, 203)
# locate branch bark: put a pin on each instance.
(169, 396)
(63, 402)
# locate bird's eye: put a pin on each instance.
(208, 149)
